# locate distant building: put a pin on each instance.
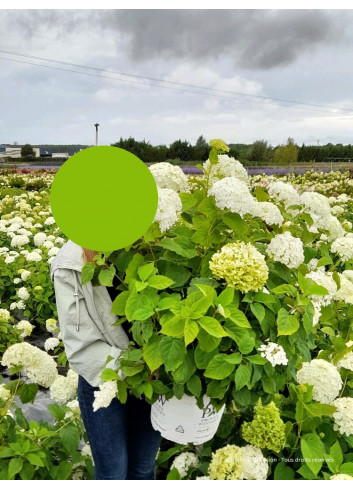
(14, 151)
(60, 155)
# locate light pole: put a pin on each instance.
(96, 125)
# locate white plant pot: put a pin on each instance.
(182, 421)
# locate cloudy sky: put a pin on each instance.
(250, 59)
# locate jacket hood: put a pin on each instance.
(69, 256)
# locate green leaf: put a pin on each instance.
(285, 289)
(287, 323)
(131, 370)
(134, 265)
(194, 385)
(183, 373)
(160, 282)
(258, 311)
(122, 391)
(309, 287)
(119, 303)
(35, 459)
(257, 359)
(191, 331)
(64, 470)
(206, 341)
(283, 472)
(58, 412)
(106, 276)
(173, 352)
(337, 455)
(145, 271)
(261, 195)
(202, 358)
(173, 327)
(28, 392)
(238, 317)
(318, 409)
(15, 466)
(325, 260)
(27, 472)
(173, 475)
(235, 222)
(138, 307)
(246, 344)
(226, 297)
(152, 354)
(219, 368)
(148, 390)
(173, 244)
(313, 450)
(347, 468)
(109, 374)
(242, 376)
(70, 438)
(87, 272)
(212, 326)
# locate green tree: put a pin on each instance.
(27, 153)
(286, 154)
(201, 149)
(259, 151)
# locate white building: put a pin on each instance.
(14, 151)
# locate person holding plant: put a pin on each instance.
(123, 442)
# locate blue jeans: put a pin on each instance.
(123, 443)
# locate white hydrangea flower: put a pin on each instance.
(75, 408)
(4, 315)
(268, 212)
(169, 176)
(48, 244)
(53, 251)
(25, 327)
(226, 167)
(183, 462)
(343, 417)
(255, 464)
(169, 206)
(51, 343)
(284, 192)
(49, 221)
(106, 393)
(286, 249)
(341, 477)
(345, 292)
(5, 394)
(274, 353)
(34, 256)
(18, 241)
(64, 388)
(317, 205)
(25, 274)
(38, 365)
(51, 325)
(23, 293)
(324, 377)
(16, 280)
(343, 247)
(86, 450)
(325, 280)
(233, 194)
(39, 239)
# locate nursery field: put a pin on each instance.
(243, 292)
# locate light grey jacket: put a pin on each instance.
(84, 317)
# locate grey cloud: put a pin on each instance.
(255, 39)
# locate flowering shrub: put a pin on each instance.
(242, 289)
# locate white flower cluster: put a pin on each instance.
(5, 394)
(75, 409)
(4, 315)
(51, 343)
(169, 176)
(38, 365)
(324, 377)
(51, 325)
(64, 388)
(341, 477)
(268, 212)
(105, 395)
(286, 249)
(325, 280)
(25, 327)
(183, 462)
(226, 167)
(274, 353)
(284, 192)
(169, 207)
(345, 292)
(343, 417)
(233, 194)
(255, 464)
(344, 247)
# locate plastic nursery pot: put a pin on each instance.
(182, 421)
